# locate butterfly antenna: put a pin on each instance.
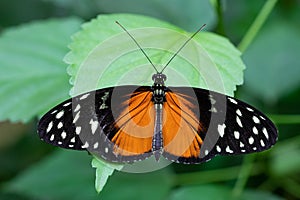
(138, 46)
(183, 46)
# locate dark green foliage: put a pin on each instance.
(33, 78)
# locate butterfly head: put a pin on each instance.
(159, 79)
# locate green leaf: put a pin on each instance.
(217, 192)
(273, 61)
(227, 59)
(57, 177)
(33, 76)
(103, 54)
(103, 171)
(146, 186)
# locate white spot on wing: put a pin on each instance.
(63, 135)
(73, 140)
(239, 122)
(103, 106)
(52, 137)
(255, 131)
(236, 135)
(86, 145)
(262, 143)
(76, 117)
(262, 118)
(94, 125)
(241, 144)
(206, 152)
(265, 132)
(77, 108)
(218, 149)
(49, 127)
(96, 145)
(232, 100)
(66, 104)
(238, 112)
(221, 129)
(59, 125)
(106, 150)
(228, 150)
(78, 130)
(251, 140)
(256, 120)
(213, 110)
(212, 100)
(250, 109)
(84, 96)
(59, 115)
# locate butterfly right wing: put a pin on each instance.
(113, 123)
(200, 124)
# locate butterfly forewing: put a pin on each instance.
(57, 128)
(245, 130)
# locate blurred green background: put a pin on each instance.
(30, 169)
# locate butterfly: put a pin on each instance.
(129, 123)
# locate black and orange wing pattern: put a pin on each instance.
(114, 123)
(117, 124)
(200, 124)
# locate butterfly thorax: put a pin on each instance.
(158, 88)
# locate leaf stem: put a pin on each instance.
(256, 25)
(244, 174)
(286, 119)
(220, 27)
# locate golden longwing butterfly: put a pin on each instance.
(182, 124)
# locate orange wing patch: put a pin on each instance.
(181, 126)
(136, 123)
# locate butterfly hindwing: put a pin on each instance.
(183, 130)
(132, 111)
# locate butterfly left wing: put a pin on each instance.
(200, 124)
(113, 123)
